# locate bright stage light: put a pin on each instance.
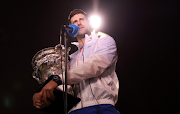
(95, 21)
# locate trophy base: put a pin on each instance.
(57, 105)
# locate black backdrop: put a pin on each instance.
(146, 33)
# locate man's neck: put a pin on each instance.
(81, 41)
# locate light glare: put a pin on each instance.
(95, 21)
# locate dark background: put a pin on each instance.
(146, 33)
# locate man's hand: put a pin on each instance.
(47, 91)
(38, 103)
(40, 100)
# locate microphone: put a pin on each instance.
(73, 30)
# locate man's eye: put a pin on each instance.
(74, 22)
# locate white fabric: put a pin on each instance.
(93, 69)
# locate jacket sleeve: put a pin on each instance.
(104, 55)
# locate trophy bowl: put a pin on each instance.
(49, 61)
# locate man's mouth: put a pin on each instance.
(80, 28)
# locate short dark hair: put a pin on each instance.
(74, 12)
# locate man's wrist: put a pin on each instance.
(57, 79)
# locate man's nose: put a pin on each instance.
(78, 23)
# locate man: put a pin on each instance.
(92, 72)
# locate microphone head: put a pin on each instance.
(75, 30)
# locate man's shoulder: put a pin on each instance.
(102, 35)
(105, 37)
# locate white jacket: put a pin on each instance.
(93, 69)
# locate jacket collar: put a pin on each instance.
(88, 38)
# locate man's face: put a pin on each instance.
(81, 21)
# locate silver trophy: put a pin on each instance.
(49, 61)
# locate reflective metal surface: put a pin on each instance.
(49, 61)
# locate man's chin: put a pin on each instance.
(81, 33)
(80, 36)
